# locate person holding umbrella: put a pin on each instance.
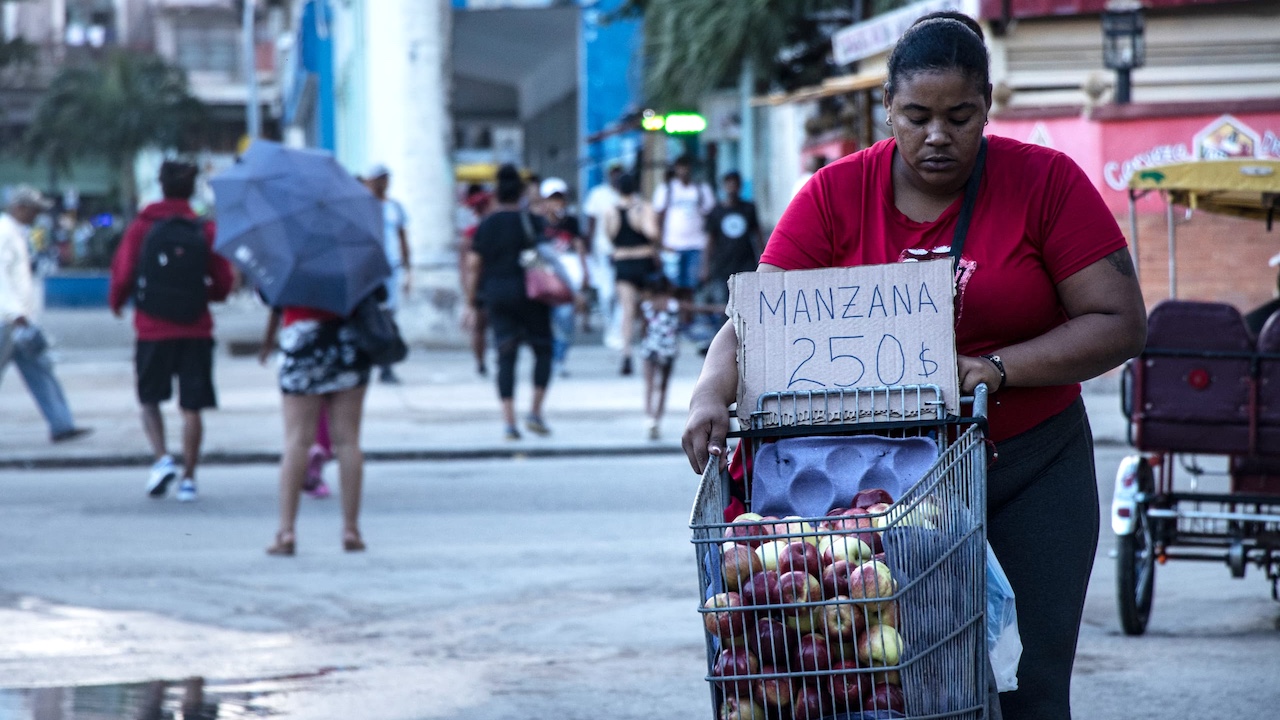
(309, 236)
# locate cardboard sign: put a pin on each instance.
(843, 328)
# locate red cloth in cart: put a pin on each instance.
(1037, 221)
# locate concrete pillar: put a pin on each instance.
(409, 129)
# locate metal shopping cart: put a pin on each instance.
(913, 646)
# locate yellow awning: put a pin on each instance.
(480, 172)
(1244, 188)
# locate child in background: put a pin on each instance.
(661, 312)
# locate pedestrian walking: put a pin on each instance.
(474, 207)
(733, 246)
(682, 205)
(633, 228)
(599, 203)
(166, 266)
(396, 239)
(22, 341)
(495, 274)
(322, 372)
(1047, 297)
(660, 346)
(565, 234)
(282, 233)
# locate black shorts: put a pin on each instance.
(191, 359)
(637, 271)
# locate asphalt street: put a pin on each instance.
(531, 588)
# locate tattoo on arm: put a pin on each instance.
(1123, 264)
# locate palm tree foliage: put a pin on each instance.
(694, 46)
(112, 110)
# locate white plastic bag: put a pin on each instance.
(1004, 645)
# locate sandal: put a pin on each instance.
(351, 542)
(284, 546)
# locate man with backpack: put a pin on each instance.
(167, 267)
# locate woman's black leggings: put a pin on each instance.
(515, 323)
(1042, 507)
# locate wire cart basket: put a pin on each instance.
(898, 627)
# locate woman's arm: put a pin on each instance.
(1108, 325)
(717, 388)
(269, 336)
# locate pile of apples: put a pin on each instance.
(803, 599)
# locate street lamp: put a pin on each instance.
(1123, 45)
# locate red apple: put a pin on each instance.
(798, 526)
(745, 529)
(885, 613)
(802, 622)
(880, 645)
(813, 702)
(847, 685)
(770, 641)
(770, 553)
(774, 691)
(871, 580)
(771, 528)
(798, 587)
(835, 579)
(885, 697)
(871, 496)
(841, 547)
(741, 709)
(734, 662)
(728, 623)
(841, 621)
(800, 556)
(878, 518)
(738, 563)
(813, 653)
(762, 589)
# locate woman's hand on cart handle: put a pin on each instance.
(704, 435)
(974, 370)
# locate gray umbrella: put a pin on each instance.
(300, 228)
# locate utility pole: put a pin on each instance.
(252, 107)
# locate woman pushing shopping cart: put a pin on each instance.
(1046, 298)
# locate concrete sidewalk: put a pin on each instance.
(443, 409)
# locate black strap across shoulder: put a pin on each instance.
(970, 199)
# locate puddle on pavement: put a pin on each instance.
(190, 699)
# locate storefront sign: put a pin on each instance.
(875, 36)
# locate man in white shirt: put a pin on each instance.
(20, 338)
(682, 206)
(601, 201)
(396, 242)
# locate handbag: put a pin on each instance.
(377, 333)
(544, 279)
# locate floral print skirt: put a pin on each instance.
(318, 358)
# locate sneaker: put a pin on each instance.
(512, 433)
(187, 490)
(316, 459)
(319, 491)
(626, 366)
(536, 425)
(163, 472)
(654, 433)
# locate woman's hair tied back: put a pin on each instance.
(941, 41)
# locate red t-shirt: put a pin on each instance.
(1037, 221)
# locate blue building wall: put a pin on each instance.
(610, 86)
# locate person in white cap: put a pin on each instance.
(21, 339)
(396, 242)
(565, 233)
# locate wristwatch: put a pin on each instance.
(995, 360)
